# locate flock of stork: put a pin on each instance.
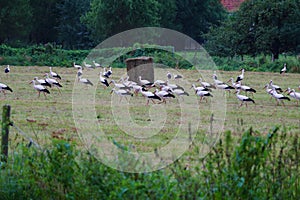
(159, 91)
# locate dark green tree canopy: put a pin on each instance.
(259, 26)
(15, 21)
(109, 17)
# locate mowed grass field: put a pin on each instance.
(149, 126)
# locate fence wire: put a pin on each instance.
(31, 141)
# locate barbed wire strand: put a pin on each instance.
(31, 141)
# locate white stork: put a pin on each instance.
(279, 97)
(88, 66)
(76, 66)
(145, 82)
(159, 83)
(276, 87)
(216, 81)
(225, 87)
(79, 73)
(7, 69)
(247, 88)
(294, 94)
(119, 85)
(169, 75)
(103, 80)
(4, 87)
(177, 76)
(236, 85)
(96, 64)
(39, 88)
(122, 93)
(42, 82)
(149, 95)
(53, 82)
(205, 84)
(180, 93)
(136, 89)
(243, 98)
(164, 95)
(196, 89)
(174, 86)
(53, 74)
(241, 76)
(269, 90)
(283, 70)
(85, 81)
(106, 74)
(203, 94)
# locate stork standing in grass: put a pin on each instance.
(241, 76)
(243, 98)
(119, 85)
(236, 85)
(96, 64)
(7, 69)
(177, 76)
(88, 66)
(122, 93)
(39, 88)
(169, 75)
(4, 87)
(279, 97)
(145, 82)
(205, 84)
(203, 94)
(246, 88)
(107, 74)
(42, 82)
(85, 81)
(53, 74)
(276, 87)
(294, 94)
(269, 90)
(79, 73)
(53, 82)
(174, 86)
(164, 95)
(76, 66)
(283, 70)
(149, 95)
(216, 81)
(225, 87)
(103, 80)
(196, 89)
(180, 93)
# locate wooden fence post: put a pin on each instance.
(5, 132)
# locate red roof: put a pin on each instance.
(232, 5)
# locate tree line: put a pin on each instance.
(78, 24)
(259, 26)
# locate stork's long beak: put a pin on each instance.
(30, 82)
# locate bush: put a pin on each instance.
(255, 166)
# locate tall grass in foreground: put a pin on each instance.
(255, 166)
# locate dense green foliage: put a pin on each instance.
(81, 24)
(40, 55)
(259, 26)
(53, 55)
(254, 166)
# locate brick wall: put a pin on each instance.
(231, 5)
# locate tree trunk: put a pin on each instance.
(275, 49)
